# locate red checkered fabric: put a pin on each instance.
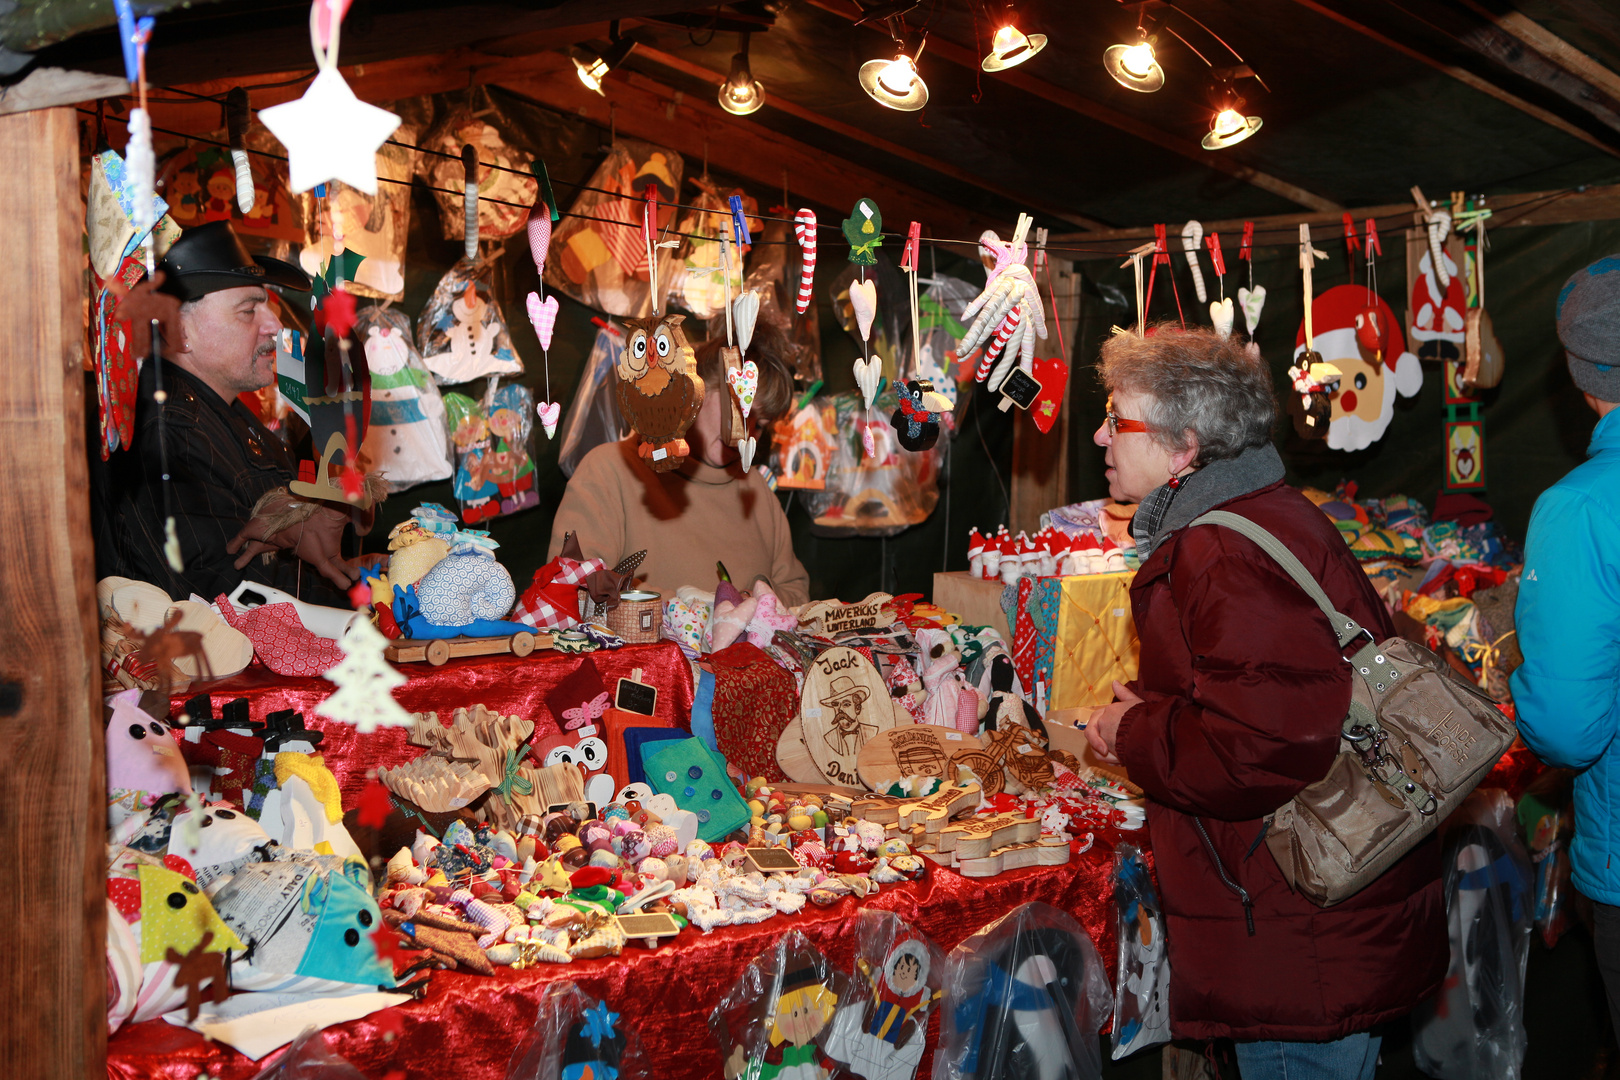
(552, 601)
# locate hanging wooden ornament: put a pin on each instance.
(659, 389)
(1313, 379)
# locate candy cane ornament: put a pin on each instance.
(804, 227)
(997, 342)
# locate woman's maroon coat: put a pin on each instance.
(1243, 693)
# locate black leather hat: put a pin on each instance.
(211, 257)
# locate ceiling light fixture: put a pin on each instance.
(1135, 67)
(896, 83)
(741, 93)
(1229, 126)
(1011, 47)
(594, 67)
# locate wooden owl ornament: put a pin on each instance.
(659, 389)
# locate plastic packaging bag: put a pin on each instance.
(504, 196)
(1474, 1029)
(879, 492)
(576, 1037)
(593, 416)
(1547, 817)
(374, 226)
(460, 332)
(309, 1058)
(881, 1025)
(774, 1019)
(696, 282)
(598, 254)
(494, 462)
(407, 440)
(775, 255)
(1024, 1000)
(1142, 998)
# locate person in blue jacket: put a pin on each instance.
(1567, 692)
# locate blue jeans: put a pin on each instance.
(1354, 1057)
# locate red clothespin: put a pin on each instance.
(1161, 249)
(1246, 250)
(649, 215)
(1373, 246)
(1213, 242)
(908, 259)
(1352, 242)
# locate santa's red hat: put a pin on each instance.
(1337, 314)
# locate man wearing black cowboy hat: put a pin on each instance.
(219, 457)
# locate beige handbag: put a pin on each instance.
(1416, 741)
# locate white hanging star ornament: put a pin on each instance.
(330, 134)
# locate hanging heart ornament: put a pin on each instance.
(543, 314)
(868, 372)
(1221, 315)
(549, 411)
(744, 382)
(746, 448)
(863, 298)
(1252, 301)
(744, 311)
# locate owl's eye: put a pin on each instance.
(638, 347)
(663, 344)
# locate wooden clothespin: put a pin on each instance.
(1040, 250)
(908, 258)
(1021, 231)
(1308, 257)
(739, 222)
(1135, 262)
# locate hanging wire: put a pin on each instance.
(1281, 235)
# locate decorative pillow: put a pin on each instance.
(754, 701)
(466, 585)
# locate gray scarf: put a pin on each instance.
(1167, 509)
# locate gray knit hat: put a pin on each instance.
(1589, 326)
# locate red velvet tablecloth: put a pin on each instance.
(507, 684)
(468, 1025)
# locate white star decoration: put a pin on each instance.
(330, 134)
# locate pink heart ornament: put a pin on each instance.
(549, 411)
(539, 236)
(744, 382)
(543, 314)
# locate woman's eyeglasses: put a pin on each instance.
(1117, 423)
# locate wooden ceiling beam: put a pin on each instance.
(1464, 76)
(1523, 47)
(1084, 106)
(1596, 203)
(641, 108)
(776, 101)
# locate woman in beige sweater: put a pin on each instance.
(707, 510)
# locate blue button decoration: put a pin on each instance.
(717, 794)
(703, 817)
(695, 773)
(689, 792)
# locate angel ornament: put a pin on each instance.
(1007, 315)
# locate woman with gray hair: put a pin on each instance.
(1236, 709)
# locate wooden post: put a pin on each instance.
(1040, 469)
(52, 776)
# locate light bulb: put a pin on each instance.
(1138, 59)
(591, 74)
(898, 76)
(1007, 39)
(1228, 122)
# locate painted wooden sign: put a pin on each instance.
(844, 703)
(910, 750)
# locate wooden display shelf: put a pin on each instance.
(437, 650)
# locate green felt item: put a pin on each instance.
(695, 777)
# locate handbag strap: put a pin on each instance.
(1344, 627)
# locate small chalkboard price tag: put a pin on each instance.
(771, 860)
(1020, 389)
(635, 696)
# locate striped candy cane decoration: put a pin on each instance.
(997, 343)
(804, 227)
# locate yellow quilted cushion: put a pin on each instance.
(1095, 641)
